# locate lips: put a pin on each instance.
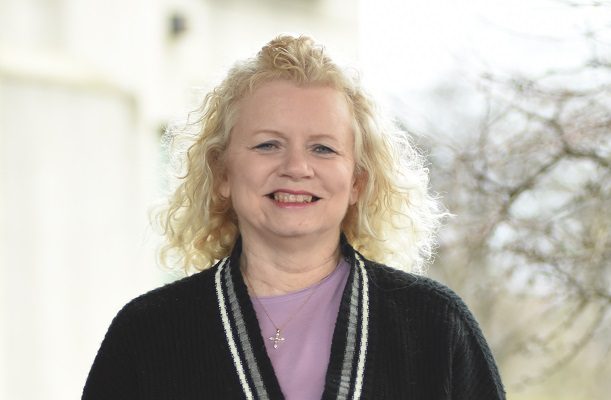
(286, 197)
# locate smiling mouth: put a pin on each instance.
(281, 197)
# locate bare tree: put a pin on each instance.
(530, 245)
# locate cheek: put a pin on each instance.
(345, 182)
(241, 183)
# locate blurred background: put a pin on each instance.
(511, 101)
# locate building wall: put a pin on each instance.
(85, 88)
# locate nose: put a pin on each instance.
(296, 165)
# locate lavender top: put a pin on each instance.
(300, 361)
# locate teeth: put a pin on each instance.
(292, 198)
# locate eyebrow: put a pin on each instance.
(317, 136)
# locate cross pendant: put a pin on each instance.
(276, 338)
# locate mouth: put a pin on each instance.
(283, 197)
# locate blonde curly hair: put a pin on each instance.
(395, 219)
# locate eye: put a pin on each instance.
(322, 149)
(266, 146)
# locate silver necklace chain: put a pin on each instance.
(277, 338)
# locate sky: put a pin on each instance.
(411, 48)
(409, 44)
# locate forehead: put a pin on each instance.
(284, 106)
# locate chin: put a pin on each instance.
(294, 234)
(302, 233)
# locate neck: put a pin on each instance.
(283, 267)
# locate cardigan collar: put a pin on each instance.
(345, 372)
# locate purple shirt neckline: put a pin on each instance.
(300, 361)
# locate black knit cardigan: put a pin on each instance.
(397, 336)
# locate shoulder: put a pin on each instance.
(394, 281)
(416, 293)
(394, 284)
(436, 320)
(195, 292)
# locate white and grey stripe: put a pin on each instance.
(359, 292)
(348, 363)
(238, 320)
(360, 372)
(229, 334)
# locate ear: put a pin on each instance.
(224, 186)
(358, 183)
(219, 169)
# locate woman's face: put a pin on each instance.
(290, 162)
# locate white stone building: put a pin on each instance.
(86, 86)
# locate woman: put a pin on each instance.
(292, 171)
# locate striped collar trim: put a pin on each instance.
(345, 375)
(356, 334)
